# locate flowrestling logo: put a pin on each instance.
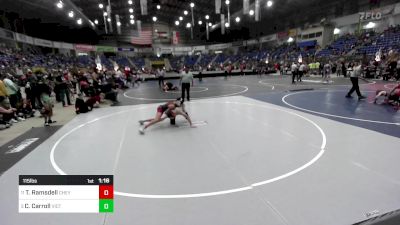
(21, 146)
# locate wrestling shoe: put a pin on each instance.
(141, 122)
(141, 130)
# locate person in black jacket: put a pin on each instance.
(63, 90)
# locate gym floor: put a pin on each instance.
(264, 152)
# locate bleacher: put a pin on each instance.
(206, 60)
(388, 40)
(121, 61)
(190, 60)
(139, 62)
(220, 58)
(340, 46)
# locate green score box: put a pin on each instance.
(106, 205)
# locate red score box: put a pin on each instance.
(106, 192)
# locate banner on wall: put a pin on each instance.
(144, 50)
(257, 14)
(268, 38)
(219, 46)
(237, 43)
(252, 42)
(143, 7)
(161, 35)
(377, 14)
(282, 35)
(6, 34)
(24, 38)
(84, 48)
(67, 46)
(199, 48)
(396, 9)
(139, 26)
(217, 6)
(43, 42)
(175, 37)
(100, 48)
(183, 49)
(222, 24)
(117, 21)
(246, 6)
(166, 50)
(292, 33)
(126, 49)
(57, 44)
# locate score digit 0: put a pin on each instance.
(106, 192)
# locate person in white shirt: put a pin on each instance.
(160, 74)
(326, 72)
(302, 69)
(294, 70)
(357, 69)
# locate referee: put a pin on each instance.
(355, 74)
(186, 80)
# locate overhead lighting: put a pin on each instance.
(96, 22)
(130, 2)
(188, 25)
(109, 19)
(251, 12)
(227, 2)
(60, 5)
(185, 12)
(101, 6)
(207, 17)
(269, 3)
(210, 24)
(200, 22)
(71, 14)
(79, 21)
(290, 40)
(180, 18)
(237, 19)
(154, 19)
(227, 24)
(336, 31)
(370, 25)
(131, 16)
(105, 14)
(177, 23)
(191, 5)
(130, 10)
(132, 21)
(118, 23)
(158, 6)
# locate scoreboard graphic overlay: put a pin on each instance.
(66, 194)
